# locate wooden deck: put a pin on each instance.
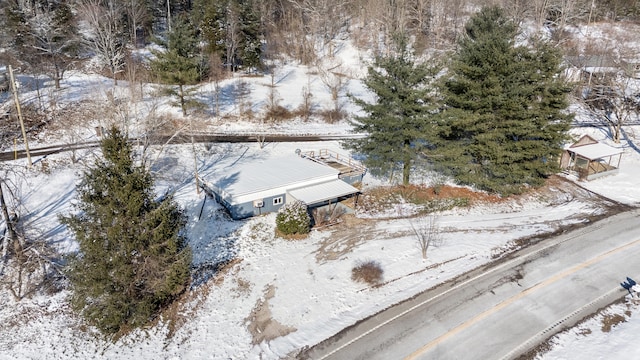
(344, 164)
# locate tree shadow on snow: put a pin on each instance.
(213, 238)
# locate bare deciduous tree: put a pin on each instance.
(615, 104)
(241, 91)
(53, 39)
(26, 266)
(30, 269)
(334, 77)
(306, 108)
(328, 215)
(427, 233)
(10, 237)
(106, 33)
(273, 97)
(216, 75)
(137, 13)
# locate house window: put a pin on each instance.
(277, 201)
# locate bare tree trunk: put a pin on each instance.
(57, 76)
(611, 102)
(183, 105)
(406, 166)
(427, 234)
(106, 33)
(12, 236)
(216, 74)
(617, 132)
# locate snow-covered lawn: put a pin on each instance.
(309, 295)
(277, 296)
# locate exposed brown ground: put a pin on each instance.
(261, 325)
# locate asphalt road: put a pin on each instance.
(505, 309)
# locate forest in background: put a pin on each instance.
(50, 37)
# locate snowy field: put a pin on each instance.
(278, 296)
(309, 297)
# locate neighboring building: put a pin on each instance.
(591, 159)
(593, 68)
(253, 187)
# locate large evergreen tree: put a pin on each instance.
(399, 123)
(505, 119)
(180, 63)
(132, 258)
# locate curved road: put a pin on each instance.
(503, 310)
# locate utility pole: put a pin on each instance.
(17, 101)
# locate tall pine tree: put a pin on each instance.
(504, 121)
(399, 123)
(179, 64)
(132, 258)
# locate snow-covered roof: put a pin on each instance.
(316, 193)
(248, 176)
(595, 151)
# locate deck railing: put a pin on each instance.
(326, 155)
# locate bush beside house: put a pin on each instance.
(293, 218)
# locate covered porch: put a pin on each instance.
(590, 159)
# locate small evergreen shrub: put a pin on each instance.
(369, 272)
(293, 218)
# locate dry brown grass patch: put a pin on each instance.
(369, 271)
(429, 199)
(584, 332)
(610, 321)
(280, 234)
(278, 113)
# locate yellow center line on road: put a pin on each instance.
(512, 299)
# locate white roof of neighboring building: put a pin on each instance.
(595, 151)
(240, 178)
(313, 194)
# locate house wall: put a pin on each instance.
(246, 209)
(353, 179)
(565, 160)
(243, 198)
(584, 140)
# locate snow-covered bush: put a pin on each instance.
(293, 218)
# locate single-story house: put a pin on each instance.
(591, 159)
(253, 187)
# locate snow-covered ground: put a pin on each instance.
(277, 296)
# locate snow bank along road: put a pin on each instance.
(503, 309)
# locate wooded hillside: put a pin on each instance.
(52, 36)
